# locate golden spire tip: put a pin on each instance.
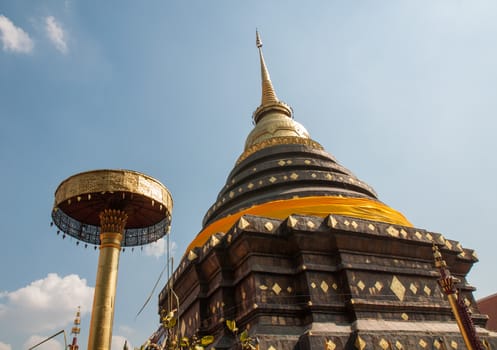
(269, 100)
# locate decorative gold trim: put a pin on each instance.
(274, 141)
(112, 221)
(106, 180)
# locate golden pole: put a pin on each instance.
(112, 223)
(455, 310)
(463, 319)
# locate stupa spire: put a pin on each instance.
(269, 100)
(268, 93)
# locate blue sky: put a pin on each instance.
(403, 93)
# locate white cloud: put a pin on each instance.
(56, 34)
(45, 305)
(4, 346)
(14, 38)
(118, 343)
(52, 344)
(158, 248)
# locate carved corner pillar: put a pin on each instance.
(112, 223)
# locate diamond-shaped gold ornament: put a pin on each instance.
(378, 285)
(427, 290)
(397, 288)
(384, 344)
(361, 285)
(329, 345)
(276, 289)
(360, 344)
(392, 231)
(268, 226)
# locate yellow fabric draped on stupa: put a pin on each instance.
(322, 206)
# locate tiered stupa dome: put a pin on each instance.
(282, 171)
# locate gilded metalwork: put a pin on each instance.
(243, 223)
(329, 345)
(112, 220)
(392, 231)
(111, 208)
(276, 289)
(361, 285)
(278, 140)
(102, 315)
(397, 288)
(360, 344)
(192, 256)
(427, 290)
(384, 344)
(378, 285)
(331, 221)
(275, 125)
(269, 100)
(268, 226)
(292, 222)
(98, 181)
(459, 309)
(80, 198)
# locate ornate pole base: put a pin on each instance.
(112, 223)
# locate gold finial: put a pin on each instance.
(269, 99)
(268, 94)
(258, 41)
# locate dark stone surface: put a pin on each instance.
(300, 283)
(282, 172)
